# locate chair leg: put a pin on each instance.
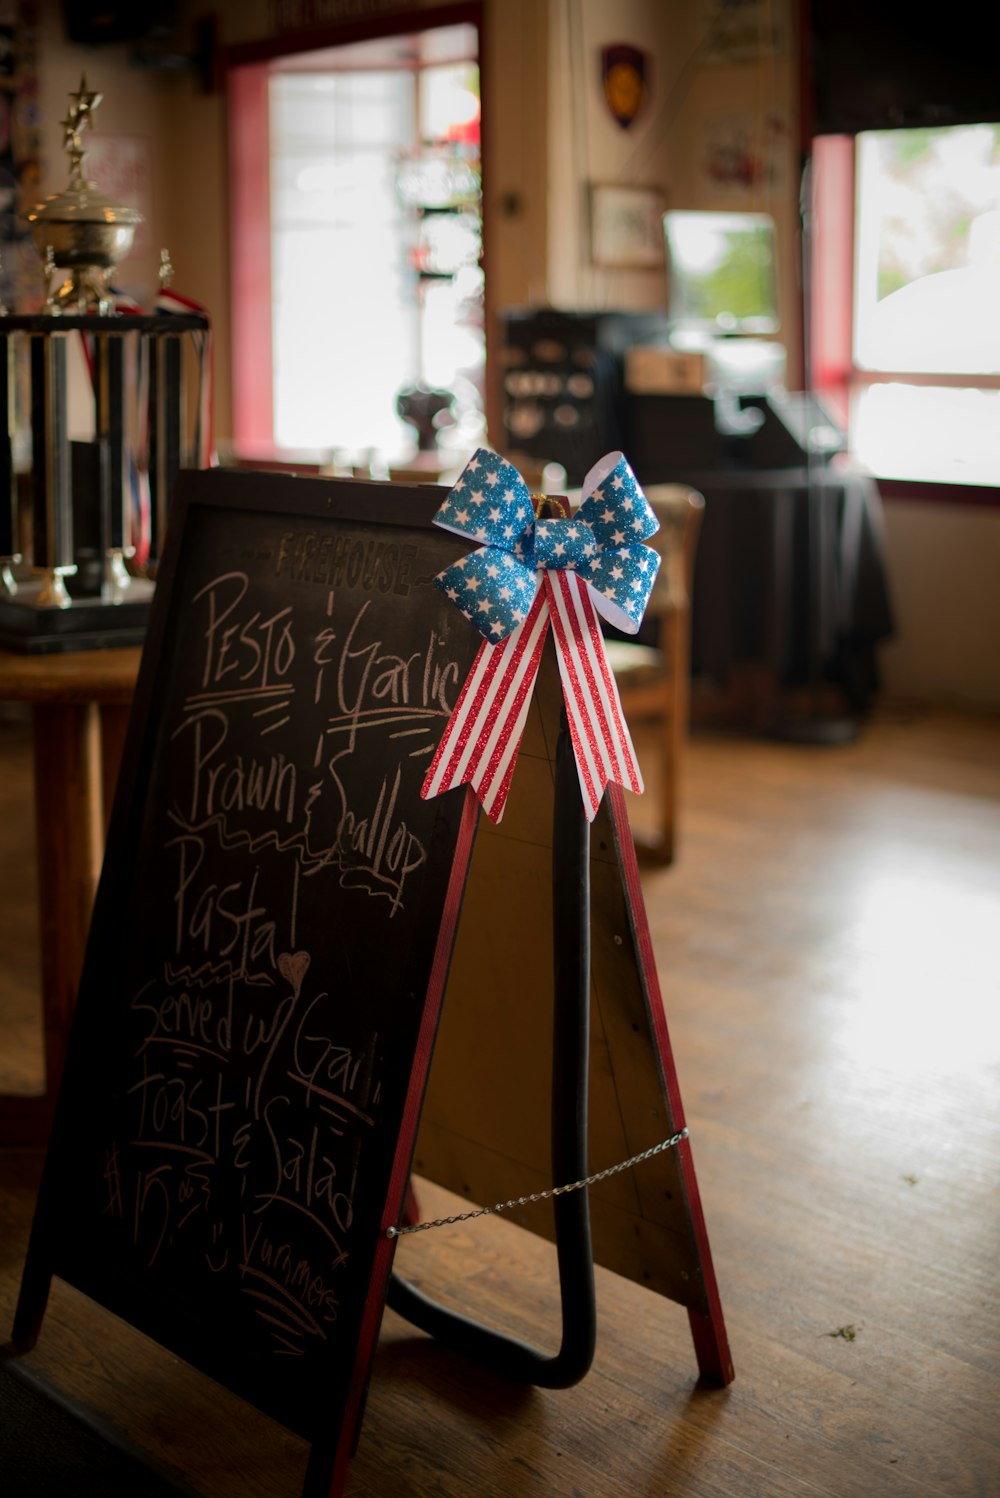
(670, 719)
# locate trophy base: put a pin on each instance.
(32, 628)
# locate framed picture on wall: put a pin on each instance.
(626, 226)
(739, 31)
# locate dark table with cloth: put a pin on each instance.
(790, 574)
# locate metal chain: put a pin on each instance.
(540, 1196)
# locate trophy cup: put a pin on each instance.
(80, 230)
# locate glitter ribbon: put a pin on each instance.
(526, 575)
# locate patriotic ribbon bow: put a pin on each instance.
(526, 575)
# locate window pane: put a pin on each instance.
(449, 103)
(927, 294)
(376, 240)
(344, 325)
(936, 433)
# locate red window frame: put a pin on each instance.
(247, 71)
(250, 259)
(832, 371)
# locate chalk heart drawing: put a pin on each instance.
(293, 967)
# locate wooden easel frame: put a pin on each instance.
(647, 1224)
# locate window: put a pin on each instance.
(369, 219)
(338, 226)
(919, 358)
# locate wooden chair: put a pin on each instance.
(653, 680)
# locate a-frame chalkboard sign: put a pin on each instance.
(269, 951)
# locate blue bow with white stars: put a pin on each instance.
(603, 542)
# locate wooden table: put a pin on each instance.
(80, 705)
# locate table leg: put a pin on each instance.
(114, 726)
(77, 753)
(70, 838)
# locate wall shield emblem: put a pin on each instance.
(624, 81)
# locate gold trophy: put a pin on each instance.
(80, 230)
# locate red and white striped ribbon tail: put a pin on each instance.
(601, 740)
(479, 746)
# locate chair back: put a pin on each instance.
(679, 509)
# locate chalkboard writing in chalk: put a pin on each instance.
(268, 947)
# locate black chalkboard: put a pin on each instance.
(268, 947)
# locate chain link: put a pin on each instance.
(540, 1196)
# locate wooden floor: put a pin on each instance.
(829, 949)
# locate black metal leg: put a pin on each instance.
(9, 549)
(570, 1067)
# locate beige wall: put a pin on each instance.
(547, 135)
(696, 101)
(586, 145)
(133, 105)
(944, 569)
(726, 110)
